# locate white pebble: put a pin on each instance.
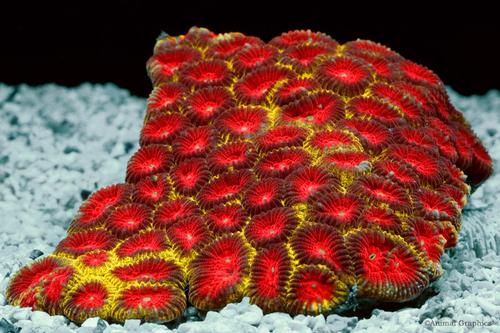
(22, 313)
(41, 318)
(90, 322)
(132, 324)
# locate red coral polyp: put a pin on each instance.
(321, 244)
(147, 161)
(188, 234)
(382, 218)
(307, 175)
(163, 65)
(190, 175)
(378, 189)
(216, 276)
(206, 73)
(435, 205)
(398, 172)
(172, 211)
(409, 136)
(274, 225)
(250, 58)
(22, 288)
(293, 90)
(418, 73)
(263, 195)
(226, 47)
(424, 163)
(395, 97)
(374, 135)
(281, 162)
(318, 109)
(206, 104)
(374, 108)
(162, 129)
(149, 269)
(228, 186)
(330, 139)
(147, 242)
(386, 266)
(426, 237)
(346, 76)
(362, 46)
(53, 289)
(243, 121)
(226, 218)
(151, 190)
(315, 289)
(282, 136)
(95, 258)
(85, 241)
(269, 276)
(307, 181)
(335, 209)
(381, 66)
(255, 86)
(303, 56)
(151, 303)
(96, 207)
(87, 301)
(352, 161)
(193, 142)
(128, 219)
(165, 97)
(295, 37)
(235, 155)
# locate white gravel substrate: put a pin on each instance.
(58, 144)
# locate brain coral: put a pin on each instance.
(302, 173)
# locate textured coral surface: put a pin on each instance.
(302, 173)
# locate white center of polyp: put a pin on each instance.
(146, 299)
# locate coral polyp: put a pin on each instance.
(147, 161)
(315, 289)
(128, 219)
(89, 298)
(207, 103)
(319, 109)
(346, 76)
(302, 173)
(152, 303)
(149, 269)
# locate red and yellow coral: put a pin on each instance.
(301, 173)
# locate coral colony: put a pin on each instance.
(302, 173)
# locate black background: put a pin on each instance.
(70, 43)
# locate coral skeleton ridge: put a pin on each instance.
(302, 173)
